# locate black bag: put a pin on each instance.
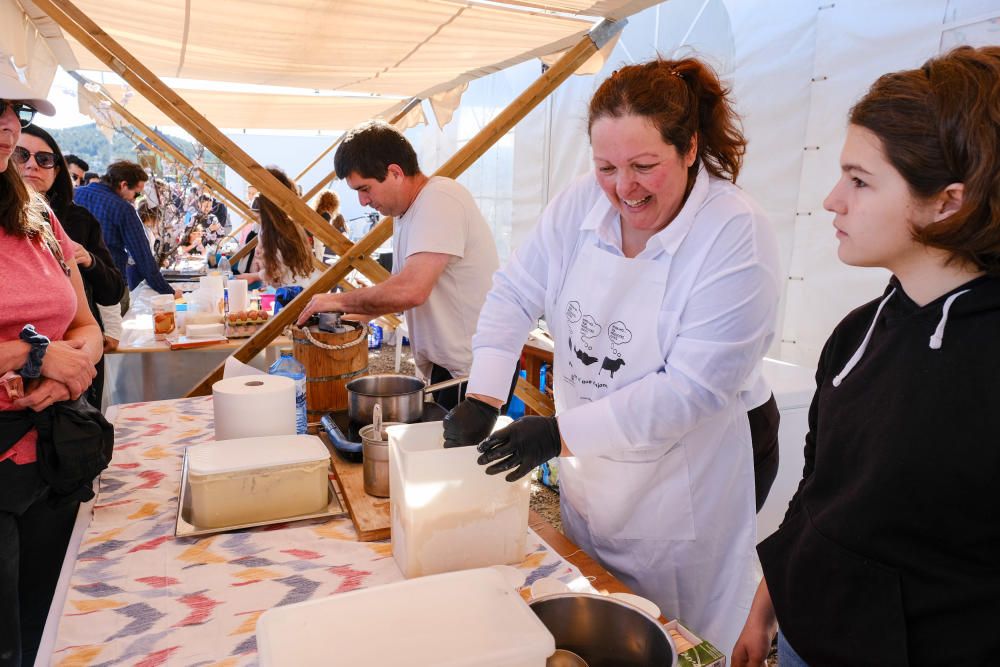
(75, 443)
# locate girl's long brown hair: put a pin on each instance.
(940, 124)
(21, 210)
(285, 249)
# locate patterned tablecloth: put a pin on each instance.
(140, 596)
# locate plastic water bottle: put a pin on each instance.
(375, 337)
(225, 268)
(290, 367)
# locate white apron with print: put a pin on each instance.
(687, 547)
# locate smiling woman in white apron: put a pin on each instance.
(658, 279)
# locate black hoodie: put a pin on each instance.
(889, 553)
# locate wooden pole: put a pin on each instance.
(479, 144)
(319, 157)
(105, 48)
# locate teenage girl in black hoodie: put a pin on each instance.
(890, 551)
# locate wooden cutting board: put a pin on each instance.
(369, 514)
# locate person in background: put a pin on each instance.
(43, 169)
(91, 177)
(150, 216)
(111, 202)
(193, 242)
(77, 168)
(659, 279)
(206, 222)
(443, 253)
(328, 206)
(220, 212)
(49, 343)
(283, 254)
(902, 441)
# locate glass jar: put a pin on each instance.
(164, 316)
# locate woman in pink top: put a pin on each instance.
(40, 286)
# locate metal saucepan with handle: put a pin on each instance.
(401, 397)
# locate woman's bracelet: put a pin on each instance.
(32, 367)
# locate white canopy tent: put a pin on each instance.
(795, 70)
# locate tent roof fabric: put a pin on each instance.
(235, 110)
(404, 48)
(396, 47)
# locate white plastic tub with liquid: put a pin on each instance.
(447, 513)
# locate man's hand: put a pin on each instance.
(469, 423)
(178, 294)
(67, 362)
(110, 344)
(521, 447)
(82, 256)
(41, 394)
(321, 303)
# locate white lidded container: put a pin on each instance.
(247, 480)
(459, 619)
(446, 512)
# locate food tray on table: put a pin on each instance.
(184, 528)
(245, 323)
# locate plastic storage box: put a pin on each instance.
(234, 482)
(446, 512)
(458, 619)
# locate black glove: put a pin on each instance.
(469, 422)
(524, 445)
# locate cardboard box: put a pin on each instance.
(692, 650)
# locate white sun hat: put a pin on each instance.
(15, 90)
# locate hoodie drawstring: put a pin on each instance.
(853, 361)
(938, 337)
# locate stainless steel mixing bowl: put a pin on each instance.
(604, 631)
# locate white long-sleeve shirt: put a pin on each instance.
(716, 319)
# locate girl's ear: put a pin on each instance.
(948, 201)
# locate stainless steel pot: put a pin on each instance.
(375, 447)
(604, 631)
(401, 397)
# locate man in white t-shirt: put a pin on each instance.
(444, 255)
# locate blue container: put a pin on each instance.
(374, 337)
(290, 367)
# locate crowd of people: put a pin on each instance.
(662, 277)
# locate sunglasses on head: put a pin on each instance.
(43, 159)
(25, 112)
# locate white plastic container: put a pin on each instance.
(234, 482)
(459, 619)
(446, 512)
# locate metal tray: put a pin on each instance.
(184, 528)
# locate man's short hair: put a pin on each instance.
(204, 197)
(91, 176)
(123, 170)
(370, 148)
(82, 164)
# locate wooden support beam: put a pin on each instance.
(77, 24)
(479, 144)
(534, 398)
(326, 151)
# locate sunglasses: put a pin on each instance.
(43, 159)
(25, 112)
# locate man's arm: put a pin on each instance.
(135, 242)
(407, 289)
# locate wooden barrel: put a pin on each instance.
(331, 362)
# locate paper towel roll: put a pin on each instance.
(247, 407)
(238, 296)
